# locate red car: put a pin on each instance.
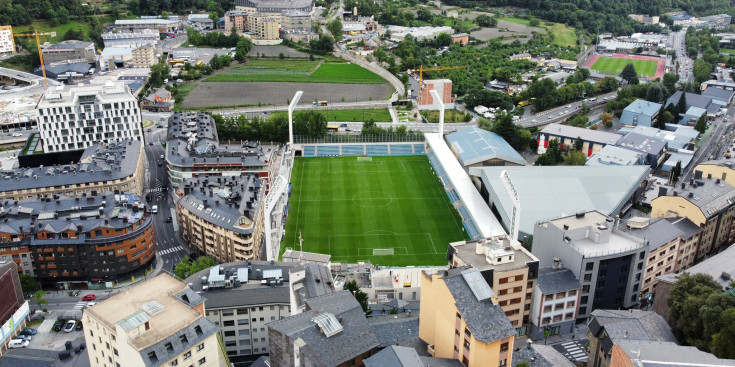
(149, 130)
(150, 143)
(89, 297)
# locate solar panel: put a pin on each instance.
(327, 323)
(477, 284)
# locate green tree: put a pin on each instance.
(723, 342)
(186, 267)
(443, 39)
(28, 283)
(575, 158)
(670, 80)
(682, 104)
(676, 172)
(607, 119)
(484, 20)
(360, 296)
(159, 72)
(689, 295)
(534, 22)
(656, 92)
(629, 74)
(702, 70)
(552, 156)
(578, 144)
(507, 130)
(335, 28)
(38, 296)
(244, 45)
(701, 125)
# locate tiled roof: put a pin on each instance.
(394, 329)
(551, 281)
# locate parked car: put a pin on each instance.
(70, 326)
(24, 337)
(17, 134)
(168, 220)
(79, 326)
(17, 343)
(150, 143)
(89, 297)
(28, 331)
(90, 304)
(59, 325)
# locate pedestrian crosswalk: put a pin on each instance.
(157, 189)
(170, 250)
(80, 305)
(572, 350)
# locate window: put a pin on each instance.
(586, 288)
(152, 356)
(243, 322)
(548, 297)
(187, 355)
(169, 347)
(201, 361)
(572, 292)
(503, 280)
(229, 323)
(183, 339)
(503, 363)
(588, 277)
(504, 347)
(175, 362)
(547, 309)
(115, 351)
(230, 333)
(200, 347)
(589, 266)
(519, 277)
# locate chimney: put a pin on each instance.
(617, 221)
(661, 191)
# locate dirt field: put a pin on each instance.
(273, 51)
(511, 31)
(221, 94)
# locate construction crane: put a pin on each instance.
(38, 44)
(421, 70)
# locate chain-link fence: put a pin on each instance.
(345, 139)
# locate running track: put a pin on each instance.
(660, 68)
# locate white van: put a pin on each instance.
(18, 343)
(154, 209)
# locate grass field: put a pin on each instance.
(727, 51)
(348, 208)
(517, 20)
(614, 66)
(376, 115)
(296, 71)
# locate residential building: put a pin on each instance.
(608, 327)
(475, 147)
(273, 7)
(461, 319)
(264, 26)
(707, 201)
(136, 25)
(645, 19)
(608, 262)
(160, 101)
(332, 331)
(398, 329)
(724, 169)
(76, 117)
(353, 28)
(592, 140)
(397, 356)
(295, 19)
(425, 100)
(222, 217)
(85, 239)
(612, 155)
(113, 58)
(159, 322)
(102, 167)
(544, 192)
(508, 268)
(194, 149)
(633, 353)
(7, 42)
(640, 112)
(144, 37)
(71, 50)
(237, 19)
(555, 303)
(652, 148)
(695, 100)
(242, 297)
(395, 284)
(521, 56)
(720, 267)
(461, 38)
(143, 57)
(14, 308)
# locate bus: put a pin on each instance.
(332, 128)
(320, 103)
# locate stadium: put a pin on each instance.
(389, 203)
(613, 64)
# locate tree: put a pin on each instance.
(186, 267)
(73, 34)
(670, 80)
(607, 119)
(443, 39)
(629, 74)
(38, 296)
(552, 155)
(702, 70)
(689, 294)
(575, 158)
(682, 104)
(507, 130)
(656, 92)
(578, 144)
(701, 125)
(676, 172)
(244, 45)
(335, 28)
(723, 342)
(534, 22)
(484, 20)
(28, 283)
(360, 296)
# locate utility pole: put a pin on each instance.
(301, 248)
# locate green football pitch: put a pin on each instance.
(609, 65)
(392, 211)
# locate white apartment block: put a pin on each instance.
(7, 44)
(78, 116)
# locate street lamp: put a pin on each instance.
(291, 107)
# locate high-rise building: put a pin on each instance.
(7, 43)
(76, 117)
(159, 322)
(13, 307)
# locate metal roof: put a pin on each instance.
(643, 107)
(611, 155)
(572, 132)
(477, 284)
(642, 143)
(474, 145)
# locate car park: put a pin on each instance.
(28, 331)
(89, 297)
(59, 325)
(17, 343)
(79, 326)
(69, 327)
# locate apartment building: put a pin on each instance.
(264, 26)
(103, 167)
(7, 42)
(555, 303)
(194, 149)
(424, 98)
(243, 297)
(75, 117)
(89, 238)
(273, 7)
(237, 19)
(508, 268)
(461, 319)
(332, 331)
(295, 19)
(608, 262)
(707, 201)
(14, 308)
(144, 56)
(69, 50)
(159, 322)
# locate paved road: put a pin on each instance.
(685, 63)
(712, 148)
(561, 113)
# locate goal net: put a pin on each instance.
(382, 251)
(364, 159)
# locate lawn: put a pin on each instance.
(43, 26)
(563, 36)
(296, 71)
(377, 115)
(615, 66)
(727, 51)
(348, 208)
(517, 20)
(449, 116)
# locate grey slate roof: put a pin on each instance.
(692, 99)
(28, 357)
(686, 226)
(551, 281)
(193, 338)
(724, 262)
(355, 339)
(656, 353)
(572, 132)
(629, 325)
(642, 143)
(54, 70)
(710, 196)
(540, 356)
(317, 282)
(487, 321)
(719, 94)
(69, 45)
(394, 329)
(394, 356)
(99, 162)
(658, 232)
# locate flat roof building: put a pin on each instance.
(694, 100)
(592, 140)
(143, 37)
(677, 137)
(611, 155)
(652, 148)
(475, 147)
(718, 95)
(135, 25)
(7, 42)
(640, 112)
(70, 50)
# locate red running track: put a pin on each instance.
(660, 68)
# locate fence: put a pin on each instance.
(347, 139)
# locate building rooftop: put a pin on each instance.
(657, 231)
(395, 356)
(317, 282)
(329, 348)
(474, 145)
(565, 190)
(193, 141)
(394, 329)
(127, 22)
(486, 254)
(295, 256)
(60, 68)
(275, 5)
(160, 303)
(611, 155)
(643, 107)
(68, 95)
(580, 229)
(718, 94)
(485, 319)
(692, 99)
(100, 162)
(572, 132)
(676, 136)
(551, 281)
(663, 353)
(686, 226)
(231, 202)
(629, 325)
(642, 143)
(721, 267)
(711, 195)
(69, 45)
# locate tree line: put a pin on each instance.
(274, 128)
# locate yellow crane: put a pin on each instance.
(421, 70)
(38, 44)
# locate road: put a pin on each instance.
(714, 146)
(561, 113)
(685, 62)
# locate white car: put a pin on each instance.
(17, 134)
(90, 304)
(69, 327)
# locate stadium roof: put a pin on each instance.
(483, 217)
(474, 145)
(548, 192)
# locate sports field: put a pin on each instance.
(390, 211)
(296, 71)
(610, 65)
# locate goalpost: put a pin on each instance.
(364, 159)
(383, 251)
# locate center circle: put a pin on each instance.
(372, 199)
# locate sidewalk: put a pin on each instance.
(580, 333)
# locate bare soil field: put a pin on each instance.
(511, 31)
(273, 51)
(223, 94)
